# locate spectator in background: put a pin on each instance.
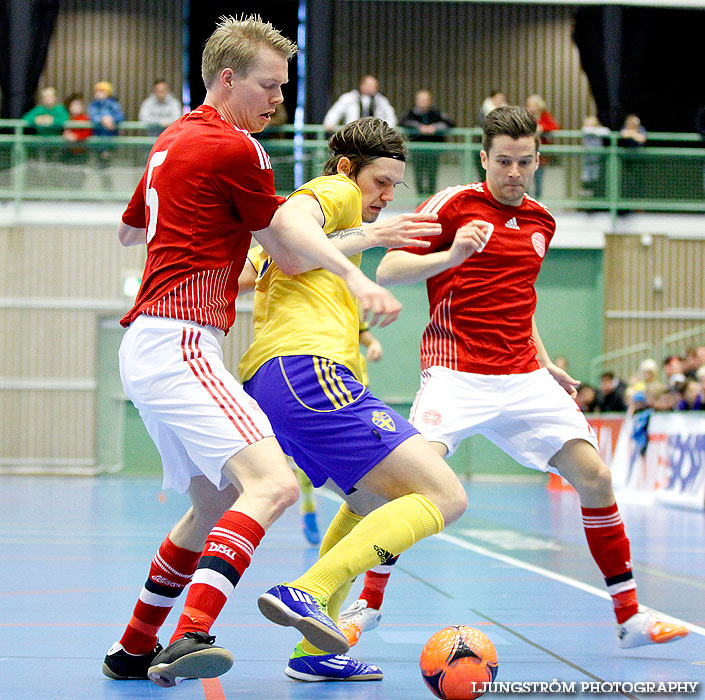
(48, 116)
(691, 397)
(547, 124)
(426, 122)
(366, 101)
(47, 119)
(633, 134)
(700, 376)
(76, 155)
(76, 108)
(587, 398)
(693, 360)
(612, 390)
(646, 381)
(673, 369)
(663, 400)
(105, 111)
(160, 109)
(496, 99)
(592, 175)
(106, 114)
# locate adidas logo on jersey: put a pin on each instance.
(512, 223)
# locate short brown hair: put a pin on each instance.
(514, 122)
(362, 141)
(235, 44)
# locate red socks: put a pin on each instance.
(171, 570)
(375, 582)
(228, 552)
(609, 547)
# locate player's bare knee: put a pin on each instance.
(450, 498)
(456, 502)
(594, 480)
(284, 493)
(602, 481)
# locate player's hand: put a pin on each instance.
(469, 238)
(564, 379)
(374, 351)
(404, 230)
(377, 304)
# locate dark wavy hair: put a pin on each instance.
(362, 141)
(514, 122)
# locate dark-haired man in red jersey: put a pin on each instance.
(484, 367)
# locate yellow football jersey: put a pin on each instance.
(313, 313)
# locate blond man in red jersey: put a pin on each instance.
(208, 184)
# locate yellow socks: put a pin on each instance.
(343, 522)
(385, 532)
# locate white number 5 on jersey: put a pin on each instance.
(152, 199)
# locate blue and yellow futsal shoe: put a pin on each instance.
(329, 667)
(291, 607)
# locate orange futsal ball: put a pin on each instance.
(457, 661)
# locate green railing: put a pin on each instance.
(668, 174)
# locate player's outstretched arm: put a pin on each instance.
(297, 243)
(560, 375)
(129, 235)
(403, 267)
(395, 232)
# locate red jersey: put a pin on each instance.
(481, 310)
(207, 185)
(80, 134)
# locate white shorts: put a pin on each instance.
(529, 416)
(195, 411)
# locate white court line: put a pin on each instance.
(586, 587)
(540, 571)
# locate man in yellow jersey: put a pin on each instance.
(373, 353)
(303, 369)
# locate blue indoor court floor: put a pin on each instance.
(75, 553)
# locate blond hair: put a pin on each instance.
(105, 86)
(235, 44)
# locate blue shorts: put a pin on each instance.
(326, 419)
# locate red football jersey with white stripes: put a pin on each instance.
(207, 185)
(481, 310)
